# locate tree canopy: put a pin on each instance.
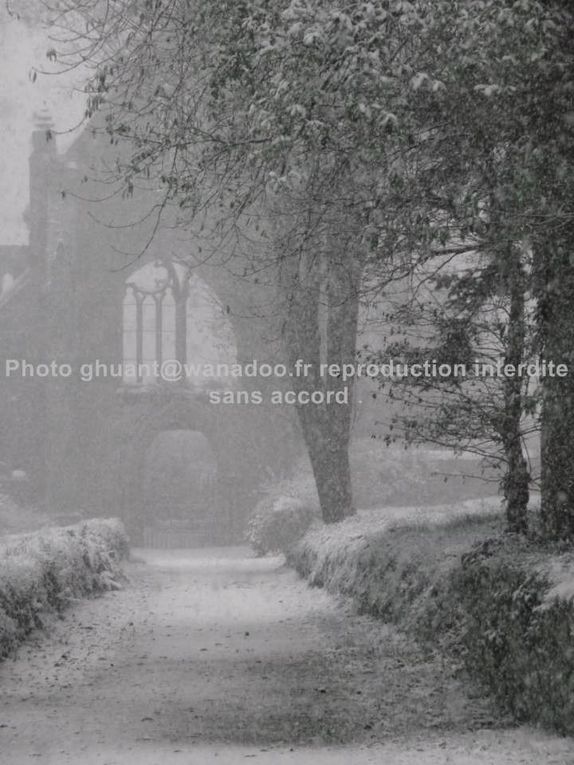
(368, 138)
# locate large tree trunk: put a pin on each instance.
(517, 476)
(332, 472)
(556, 330)
(332, 275)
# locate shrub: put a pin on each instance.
(503, 605)
(278, 523)
(44, 571)
(518, 635)
(284, 513)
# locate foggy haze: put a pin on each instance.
(22, 50)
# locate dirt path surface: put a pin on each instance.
(215, 657)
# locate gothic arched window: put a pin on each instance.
(169, 315)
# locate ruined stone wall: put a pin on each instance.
(90, 438)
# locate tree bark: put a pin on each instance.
(517, 478)
(556, 332)
(326, 426)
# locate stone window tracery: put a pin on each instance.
(168, 314)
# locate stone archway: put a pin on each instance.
(157, 412)
(181, 506)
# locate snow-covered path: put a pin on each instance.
(216, 657)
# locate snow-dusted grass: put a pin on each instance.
(42, 572)
(394, 476)
(449, 576)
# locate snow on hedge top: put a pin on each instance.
(368, 523)
(560, 572)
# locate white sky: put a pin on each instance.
(21, 49)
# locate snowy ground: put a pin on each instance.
(213, 656)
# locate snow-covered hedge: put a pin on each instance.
(503, 605)
(277, 524)
(516, 610)
(42, 572)
(283, 514)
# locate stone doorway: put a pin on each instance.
(180, 491)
